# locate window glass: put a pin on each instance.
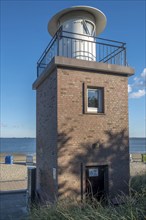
(93, 98)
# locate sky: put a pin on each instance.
(24, 37)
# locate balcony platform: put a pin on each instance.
(104, 68)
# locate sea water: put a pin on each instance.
(28, 145)
(18, 145)
(137, 145)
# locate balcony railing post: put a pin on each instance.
(37, 69)
(57, 39)
(125, 58)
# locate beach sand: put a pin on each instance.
(14, 176)
(137, 168)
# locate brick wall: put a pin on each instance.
(78, 131)
(47, 137)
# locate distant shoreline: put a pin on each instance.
(35, 137)
(27, 145)
(21, 157)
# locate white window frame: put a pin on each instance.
(99, 109)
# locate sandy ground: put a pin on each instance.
(137, 168)
(14, 177)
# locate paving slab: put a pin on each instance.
(13, 206)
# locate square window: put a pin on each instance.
(94, 100)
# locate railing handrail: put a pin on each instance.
(115, 47)
(86, 35)
(113, 52)
(95, 42)
(47, 48)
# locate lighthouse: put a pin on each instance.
(82, 110)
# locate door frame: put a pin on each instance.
(83, 177)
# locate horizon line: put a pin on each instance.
(35, 137)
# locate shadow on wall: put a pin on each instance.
(113, 151)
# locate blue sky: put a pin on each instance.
(24, 37)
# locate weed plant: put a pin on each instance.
(133, 207)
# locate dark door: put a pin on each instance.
(96, 178)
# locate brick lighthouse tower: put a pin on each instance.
(82, 109)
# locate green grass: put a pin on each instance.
(132, 208)
(144, 158)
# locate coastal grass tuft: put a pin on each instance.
(144, 158)
(132, 207)
(138, 185)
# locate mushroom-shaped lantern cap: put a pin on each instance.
(100, 18)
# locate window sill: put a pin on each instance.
(94, 113)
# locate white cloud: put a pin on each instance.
(129, 88)
(143, 74)
(135, 78)
(3, 125)
(137, 88)
(138, 94)
(140, 82)
(15, 126)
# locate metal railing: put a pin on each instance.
(85, 47)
